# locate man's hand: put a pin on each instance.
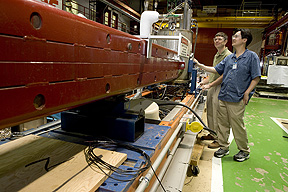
(207, 86)
(204, 81)
(246, 98)
(250, 88)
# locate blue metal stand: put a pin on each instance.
(193, 71)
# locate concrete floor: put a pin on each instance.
(202, 182)
(266, 170)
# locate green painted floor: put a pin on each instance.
(267, 168)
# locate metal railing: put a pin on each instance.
(237, 11)
(76, 8)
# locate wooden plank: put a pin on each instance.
(72, 173)
(196, 154)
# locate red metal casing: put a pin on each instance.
(67, 61)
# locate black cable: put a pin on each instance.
(158, 179)
(93, 159)
(163, 94)
(184, 92)
(175, 103)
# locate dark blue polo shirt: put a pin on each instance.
(237, 75)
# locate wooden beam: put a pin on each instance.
(35, 163)
(196, 154)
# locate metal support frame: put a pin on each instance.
(162, 37)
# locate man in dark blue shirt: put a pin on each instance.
(241, 73)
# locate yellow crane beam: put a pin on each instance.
(233, 22)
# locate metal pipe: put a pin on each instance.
(46, 131)
(165, 16)
(185, 15)
(42, 127)
(171, 154)
(189, 16)
(166, 165)
(146, 21)
(146, 179)
(138, 94)
(194, 47)
(170, 13)
(196, 99)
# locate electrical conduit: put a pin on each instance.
(146, 179)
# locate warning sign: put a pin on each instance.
(210, 9)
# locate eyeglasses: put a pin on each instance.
(235, 36)
(218, 38)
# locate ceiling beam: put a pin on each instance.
(233, 22)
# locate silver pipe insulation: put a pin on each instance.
(146, 179)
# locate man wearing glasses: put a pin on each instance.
(211, 83)
(241, 73)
